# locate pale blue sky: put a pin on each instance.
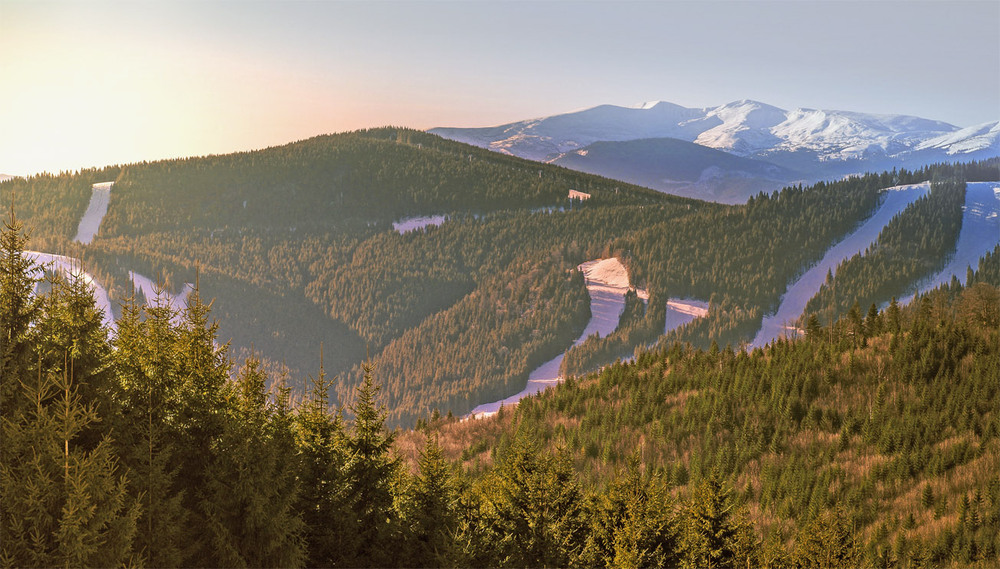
(92, 83)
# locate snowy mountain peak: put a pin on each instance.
(984, 136)
(745, 127)
(812, 143)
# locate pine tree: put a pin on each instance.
(633, 523)
(371, 471)
(146, 368)
(827, 542)
(205, 400)
(433, 519)
(536, 503)
(893, 317)
(250, 487)
(18, 309)
(62, 504)
(73, 326)
(713, 534)
(325, 493)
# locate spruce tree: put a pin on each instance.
(18, 309)
(371, 470)
(827, 542)
(713, 533)
(63, 505)
(537, 507)
(325, 493)
(432, 518)
(146, 368)
(250, 487)
(633, 523)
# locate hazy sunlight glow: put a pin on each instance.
(90, 84)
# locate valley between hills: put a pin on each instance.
(813, 370)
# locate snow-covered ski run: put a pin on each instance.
(607, 282)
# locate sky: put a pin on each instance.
(88, 84)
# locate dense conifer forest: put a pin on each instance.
(293, 247)
(870, 443)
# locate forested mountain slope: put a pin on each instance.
(296, 247)
(869, 443)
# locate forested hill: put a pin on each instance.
(870, 443)
(372, 176)
(296, 247)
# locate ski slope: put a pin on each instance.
(156, 295)
(96, 210)
(607, 282)
(793, 303)
(682, 311)
(980, 233)
(71, 268)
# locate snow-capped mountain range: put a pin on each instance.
(808, 143)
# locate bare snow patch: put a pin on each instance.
(793, 303)
(408, 224)
(682, 311)
(96, 210)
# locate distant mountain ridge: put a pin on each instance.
(810, 144)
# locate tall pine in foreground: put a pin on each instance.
(633, 522)
(325, 493)
(18, 309)
(371, 471)
(250, 489)
(145, 364)
(64, 496)
(432, 513)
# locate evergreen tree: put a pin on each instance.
(145, 364)
(62, 504)
(73, 326)
(18, 309)
(633, 523)
(536, 504)
(250, 486)
(433, 519)
(205, 400)
(713, 535)
(827, 542)
(325, 493)
(371, 470)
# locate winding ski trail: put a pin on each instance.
(980, 233)
(798, 294)
(607, 282)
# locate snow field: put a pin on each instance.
(682, 311)
(96, 210)
(793, 303)
(408, 224)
